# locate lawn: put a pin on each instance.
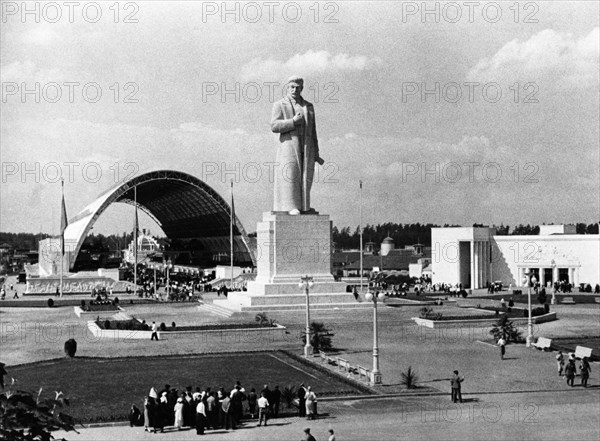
(103, 389)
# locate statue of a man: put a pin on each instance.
(294, 119)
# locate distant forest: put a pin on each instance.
(344, 238)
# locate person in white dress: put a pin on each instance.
(179, 413)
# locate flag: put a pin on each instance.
(136, 227)
(231, 220)
(63, 219)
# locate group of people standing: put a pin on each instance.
(214, 409)
(568, 368)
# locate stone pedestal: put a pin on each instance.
(288, 248)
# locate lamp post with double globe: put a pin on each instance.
(306, 283)
(375, 372)
(529, 338)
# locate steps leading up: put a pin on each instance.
(216, 309)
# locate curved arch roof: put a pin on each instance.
(183, 206)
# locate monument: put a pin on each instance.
(293, 240)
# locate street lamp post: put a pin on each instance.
(553, 301)
(529, 339)
(375, 372)
(169, 279)
(307, 283)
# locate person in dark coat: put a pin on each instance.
(276, 400)
(135, 416)
(585, 371)
(268, 394)
(455, 384)
(302, 400)
(570, 372)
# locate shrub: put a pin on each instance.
(116, 301)
(511, 303)
(50, 303)
(597, 288)
(173, 325)
(588, 288)
(429, 314)
(162, 326)
(546, 308)
(70, 347)
(505, 328)
(106, 324)
(320, 337)
(463, 293)
(409, 378)
(288, 394)
(517, 292)
(538, 311)
(83, 305)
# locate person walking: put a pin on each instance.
(263, 409)
(455, 384)
(308, 436)
(154, 335)
(331, 435)
(502, 345)
(560, 363)
(311, 399)
(570, 372)
(585, 371)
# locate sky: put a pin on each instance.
(449, 113)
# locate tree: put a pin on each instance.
(505, 328)
(320, 337)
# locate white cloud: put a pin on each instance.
(548, 55)
(29, 71)
(41, 35)
(304, 64)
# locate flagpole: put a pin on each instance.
(231, 238)
(135, 240)
(361, 237)
(62, 235)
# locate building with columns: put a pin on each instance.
(476, 256)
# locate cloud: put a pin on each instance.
(548, 55)
(310, 62)
(41, 35)
(28, 71)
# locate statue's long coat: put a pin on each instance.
(298, 149)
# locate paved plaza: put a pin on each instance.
(516, 398)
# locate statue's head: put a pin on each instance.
(295, 84)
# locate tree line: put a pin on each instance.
(344, 237)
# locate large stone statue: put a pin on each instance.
(294, 119)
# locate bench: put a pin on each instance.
(364, 372)
(567, 301)
(582, 351)
(343, 364)
(542, 343)
(326, 358)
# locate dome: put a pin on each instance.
(388, 240)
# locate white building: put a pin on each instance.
(477, 256)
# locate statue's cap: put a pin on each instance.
(295, 79)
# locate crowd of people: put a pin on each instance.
(215, 409)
